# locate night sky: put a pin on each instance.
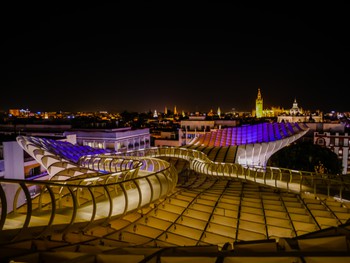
(109, 57)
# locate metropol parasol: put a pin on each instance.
(214, 198)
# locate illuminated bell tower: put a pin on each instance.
(155, 114)
(259, 105)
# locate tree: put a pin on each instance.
(307, 156)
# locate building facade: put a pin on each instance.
(197, 126)
(297, 114)
(170, 139)
(337, 143)
(119, 140)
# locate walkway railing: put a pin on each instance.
(82, 201)
(291, 180)
(104, 187)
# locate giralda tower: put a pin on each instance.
(259, 105)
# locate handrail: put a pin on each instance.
(289, 179)
(126, 183)
(85, 198)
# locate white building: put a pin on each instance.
(170, 138)
(120, 139)
(196, 126)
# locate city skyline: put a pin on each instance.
(84, 59)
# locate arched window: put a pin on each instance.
(320, 141)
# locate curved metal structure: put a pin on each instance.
(79, 195)
(282, 178)
(222, 203)
(255, 143)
